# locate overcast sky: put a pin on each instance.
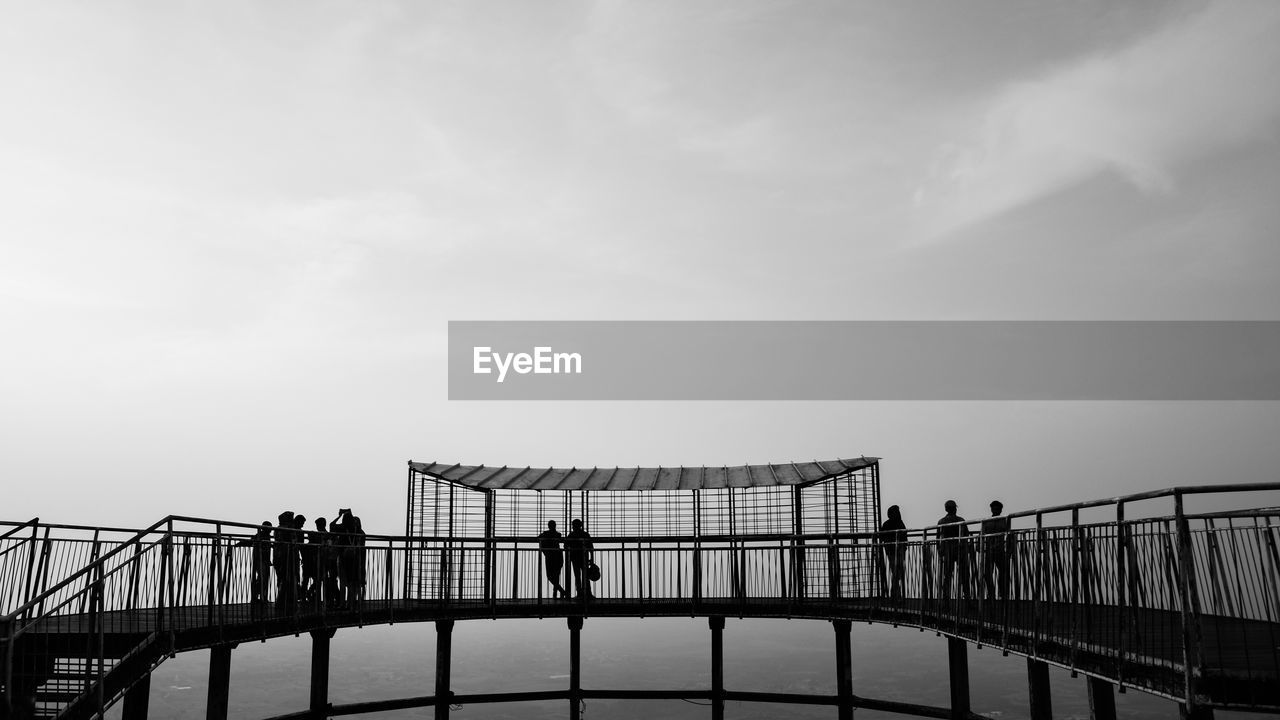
(231, 234)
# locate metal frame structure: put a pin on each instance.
(1131, 592)
(741, 505)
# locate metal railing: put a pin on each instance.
(1183, 605)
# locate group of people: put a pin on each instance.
(577, 545)
(956, 552)
(321, 566)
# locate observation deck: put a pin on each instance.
(1133, 592)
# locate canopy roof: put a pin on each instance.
(659, 478)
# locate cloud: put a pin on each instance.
(1196, 86)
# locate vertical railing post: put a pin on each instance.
(1190, 602)
(490, 526)
(42, 571)
(799, 576)
(211, 580)
(100, 690)
(1038, 587)
(29, 581)
(1121, 596)
(1075, 586)
(163, 582)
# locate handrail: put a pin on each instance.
(19, 526)
(1098, 502)
(32, 523)
(36, 601)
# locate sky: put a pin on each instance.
(232, 234)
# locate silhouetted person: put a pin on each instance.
(300, 553)
(893, 541)
(952, 551)
(997, 551)
(326, 564)
(311, 572)
(284, 556)
(552, 557)
(351, 565)
(578, 546)
(260, 564)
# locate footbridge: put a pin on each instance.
(1135, 592)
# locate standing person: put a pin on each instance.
(997, 551)
(952, 550)
(578, 546)
(312, 575)
(283, 559)
(260, 563)
(300, 553)
(893, 542)
(552, 557)
(351, 564)
(326, 564)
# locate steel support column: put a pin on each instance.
(219, 682)
(320, 673)
(1038, 689)
(958, 663)
(1102, 700)
(444, 651)
(844, 668)
(717, 666)
(137, 700)
(575, 668)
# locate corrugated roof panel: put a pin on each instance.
(646, 478)
(787, 474)
(668, 479)
(483, 478)
(692, 478)
(689, 478)
(578, 478)
(809, 471)
(598, 478)
(739, 477)
(555, 480)
(622, 479)
(716, 478)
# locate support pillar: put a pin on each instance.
(137, 699)
(219, 682)
(958, 662)
(717, 666)
(320, 673)
(1102, 700)
(1038, 687)
(444, 651)
(575, 668)
(844, 668)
